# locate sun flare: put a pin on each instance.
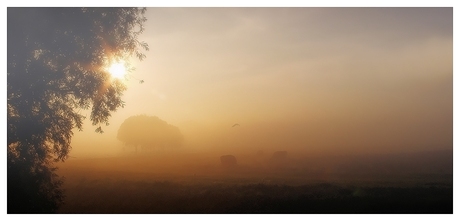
(117, 70)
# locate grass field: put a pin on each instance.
(146, 184)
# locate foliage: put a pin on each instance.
(33, 188)
(57, 59)
(149, 132)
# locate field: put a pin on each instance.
(186, 183)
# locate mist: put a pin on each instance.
(281, 98)
(346, 80)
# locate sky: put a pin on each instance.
(332, 80)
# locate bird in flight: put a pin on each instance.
(234, 125)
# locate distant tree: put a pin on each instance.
(149, 132)
(57, 62)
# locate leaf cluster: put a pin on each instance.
(56, 59)
(56, 67)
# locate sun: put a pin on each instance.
(117, 70)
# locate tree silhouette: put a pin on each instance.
(57, 59)
(149, 132)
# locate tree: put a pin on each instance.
(57, 66)
(149, 132)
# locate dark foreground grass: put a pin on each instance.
(142, 197)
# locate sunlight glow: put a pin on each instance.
(117, 70)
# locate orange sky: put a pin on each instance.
(310, 79)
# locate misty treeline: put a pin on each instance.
(149, 132)
(56, 59)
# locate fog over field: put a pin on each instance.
(354, 98)
(177, 182)
(244, 110)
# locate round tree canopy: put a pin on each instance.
(149, 132)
